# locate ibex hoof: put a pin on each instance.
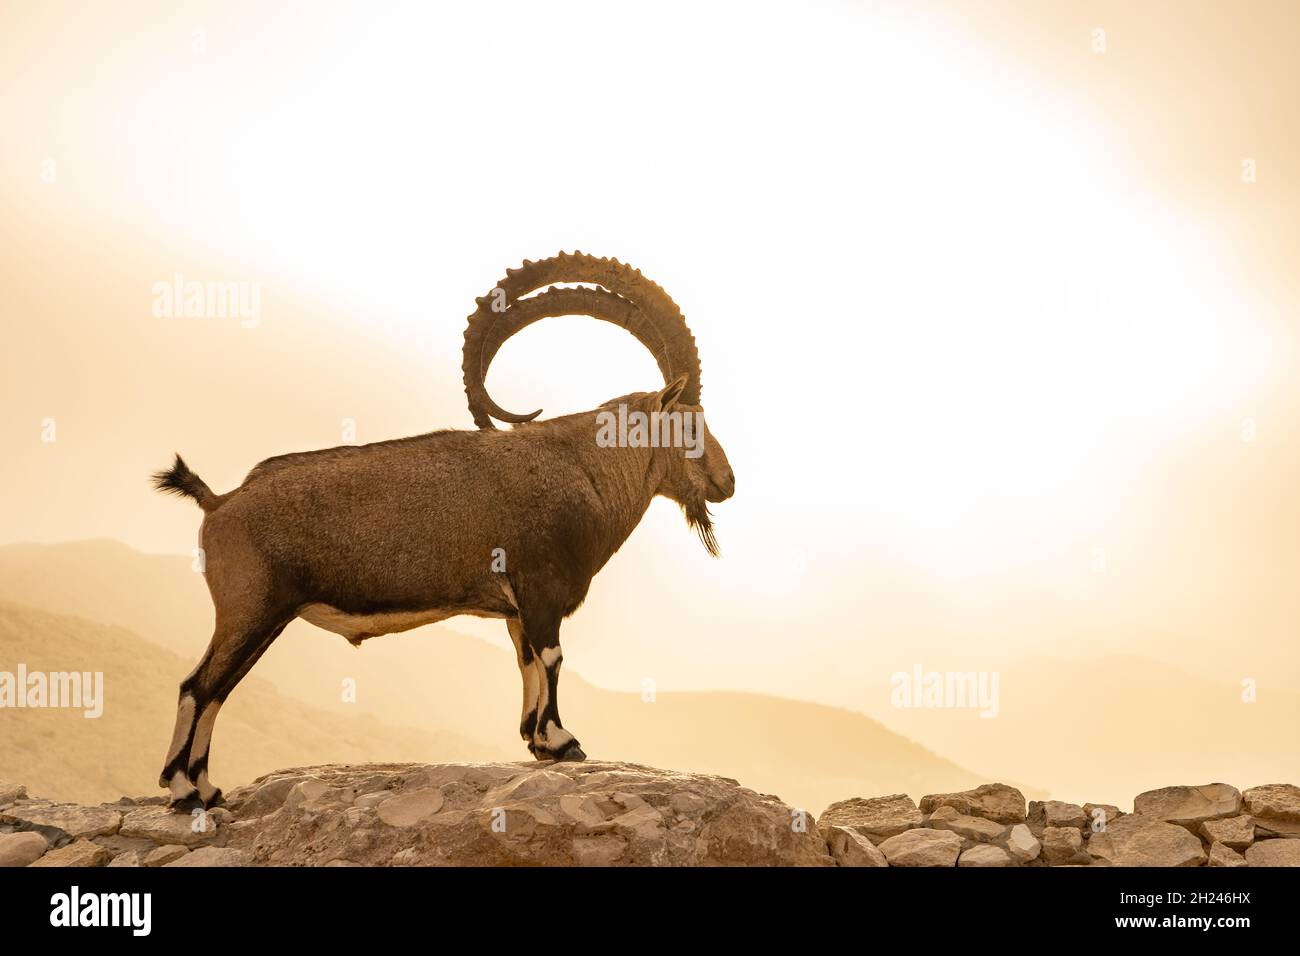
(571, 751)
(185, 804)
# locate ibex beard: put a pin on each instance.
(364, 540)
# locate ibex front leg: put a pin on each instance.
(550, 740)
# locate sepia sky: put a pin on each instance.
(997, 312)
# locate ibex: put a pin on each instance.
(370, 539)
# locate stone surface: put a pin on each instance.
(214, 856)
(1221, 855)
(1278, 800)
(620, 814)
(1189, 806)
(1236, 833)
(851, 848)
(1136, 840)
(162, 855)
(1063, 846)
(1275, 808)
(1274, 853)
(65, 819)
(11, 792)
(78, 853)
(563, 814)
(408, 809)
(970, 829)
(20, 849)
(166, 827)
(1055, 813)
(1100, 815)
(876, 818)
(984, 854)
(1021, 844)
(992, 801)
(922, 847)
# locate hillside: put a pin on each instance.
(70, 757)
(436, 680)
(1090, 724)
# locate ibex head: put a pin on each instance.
(619, 294)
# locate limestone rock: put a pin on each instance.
(1221, 855)
(265, 795)
(922, 847)
(984, 854)
(1278, 800)
(1189, 806)
(78, 853)
(851, 848)
(992, 801)
(1137, 840)
(166, 827)
(1236, 833)
(1274, 853)
(1021, 844)
(876, 818)
(970, 829)
(214, 856)
(126, 858)
(64, 819)
(1276, 809)
(1100, 816)
(408, 809)
(20, 849)
(1055, 813)
(11, 793)
(162, 855)
(1063, 846)
(553, 814)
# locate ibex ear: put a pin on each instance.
(669, 394)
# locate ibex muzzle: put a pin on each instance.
(371, 539)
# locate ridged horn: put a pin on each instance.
(626, 298)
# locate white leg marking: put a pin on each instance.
(554, 737)
(206, 789)
(532, 690)
(543, 692)
(180, 788)
(527, 672)
(203, 730)
(184, 717)
(202, 741)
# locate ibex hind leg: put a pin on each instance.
(528, 677)
(230, 655)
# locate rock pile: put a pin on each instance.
(1209, 825)
(618, 814)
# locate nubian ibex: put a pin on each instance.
(365, 540)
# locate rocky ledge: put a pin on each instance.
(618, 814)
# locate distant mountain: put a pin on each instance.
(1102, 729)
(63, 754)
(432, 681)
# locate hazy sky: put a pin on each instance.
(985, 306)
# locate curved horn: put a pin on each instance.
(627, 299)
